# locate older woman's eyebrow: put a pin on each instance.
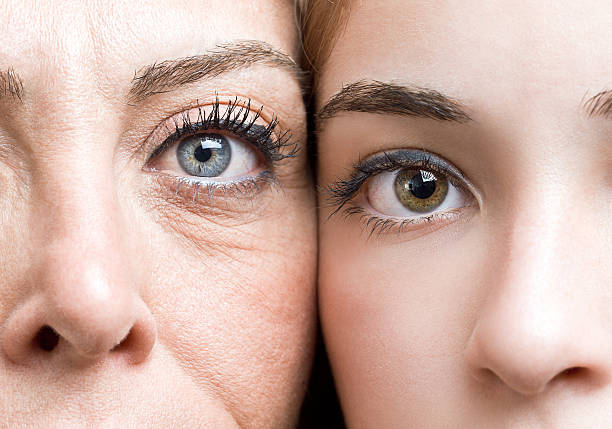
(387, 98)
(171, 74)
(11, 84)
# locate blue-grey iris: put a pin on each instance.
(204, 155)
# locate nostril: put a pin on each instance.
(47, 338)
(570, 372)
(573, 373)
(579, 377)
(125, 343)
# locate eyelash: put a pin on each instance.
(342, 192)
(237, 118)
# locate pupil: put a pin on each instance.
(421, 189)
(202, 154)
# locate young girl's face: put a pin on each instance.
(465, 243)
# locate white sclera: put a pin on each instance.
(382, 197)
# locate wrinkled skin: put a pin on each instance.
(171, 310)
(501, 317)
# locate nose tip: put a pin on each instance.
(529, 364)
(86, 321)
(526, 372)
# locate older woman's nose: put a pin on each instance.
(541, 326)
(82, 301)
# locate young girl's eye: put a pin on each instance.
(413, 192)
(209, 155)
(402, 189)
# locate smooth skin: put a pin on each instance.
(500, 318)
(172, 310)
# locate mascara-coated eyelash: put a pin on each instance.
(402, 189)
(236, 118)
(209, 138)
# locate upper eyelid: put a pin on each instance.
(167, 125)
(399, 158)
(224, 106)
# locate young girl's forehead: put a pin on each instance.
(454, 138)
(399, 37)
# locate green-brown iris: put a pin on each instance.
(420, 190)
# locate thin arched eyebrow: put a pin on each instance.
(169, 75)
(11, 84)
(372, 96)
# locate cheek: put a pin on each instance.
(397, 316)
(238, 314)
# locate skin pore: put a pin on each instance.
(490, 305)
(157, 218)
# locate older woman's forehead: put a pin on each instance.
(115, 38)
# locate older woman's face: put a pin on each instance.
(158, 247)
(466, 282)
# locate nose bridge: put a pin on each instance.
(83, 285)
(531, 329)
(82, 273)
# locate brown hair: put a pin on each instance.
(322, 23)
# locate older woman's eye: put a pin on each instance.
(204, 155)
(209, 155)
(414, 192)
(226, 147)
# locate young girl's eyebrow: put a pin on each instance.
(371, 96)
(599, 105)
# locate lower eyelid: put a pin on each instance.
(187, 186)
(409, 228)
(216, 204)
